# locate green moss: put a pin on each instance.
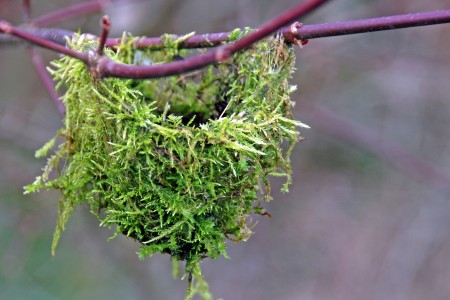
(177, 163)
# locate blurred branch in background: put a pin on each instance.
(26, 10)
(70, 12)
(369, 140)
(47, 81)
(39, 65)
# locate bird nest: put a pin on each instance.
(179, 163)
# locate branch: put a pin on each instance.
(375, 24)
(54, 39)
(294, 33)
(305, 32)
(108, 68)
(206, 40)
(39, 65)
(102, 66)
(300, 33)
(105, 24)
(7, 28)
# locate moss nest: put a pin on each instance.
(178, 163)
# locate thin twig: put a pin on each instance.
(195, 41)
(73, 11)
(374, 24)
(7, 28)
(105, 24)
(46, 79)
(55, 35)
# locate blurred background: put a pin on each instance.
(368, 215)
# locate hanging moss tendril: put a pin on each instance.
(179, 163)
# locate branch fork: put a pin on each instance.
(291, 34)
(96, 59)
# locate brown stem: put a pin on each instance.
(105, 23)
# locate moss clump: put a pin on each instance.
(178, 163)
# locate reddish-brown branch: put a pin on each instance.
(104, 67)
(73, 11)
(108, 68)
(305, 32)
(301, 33)
(374, 24)
(275, 24)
